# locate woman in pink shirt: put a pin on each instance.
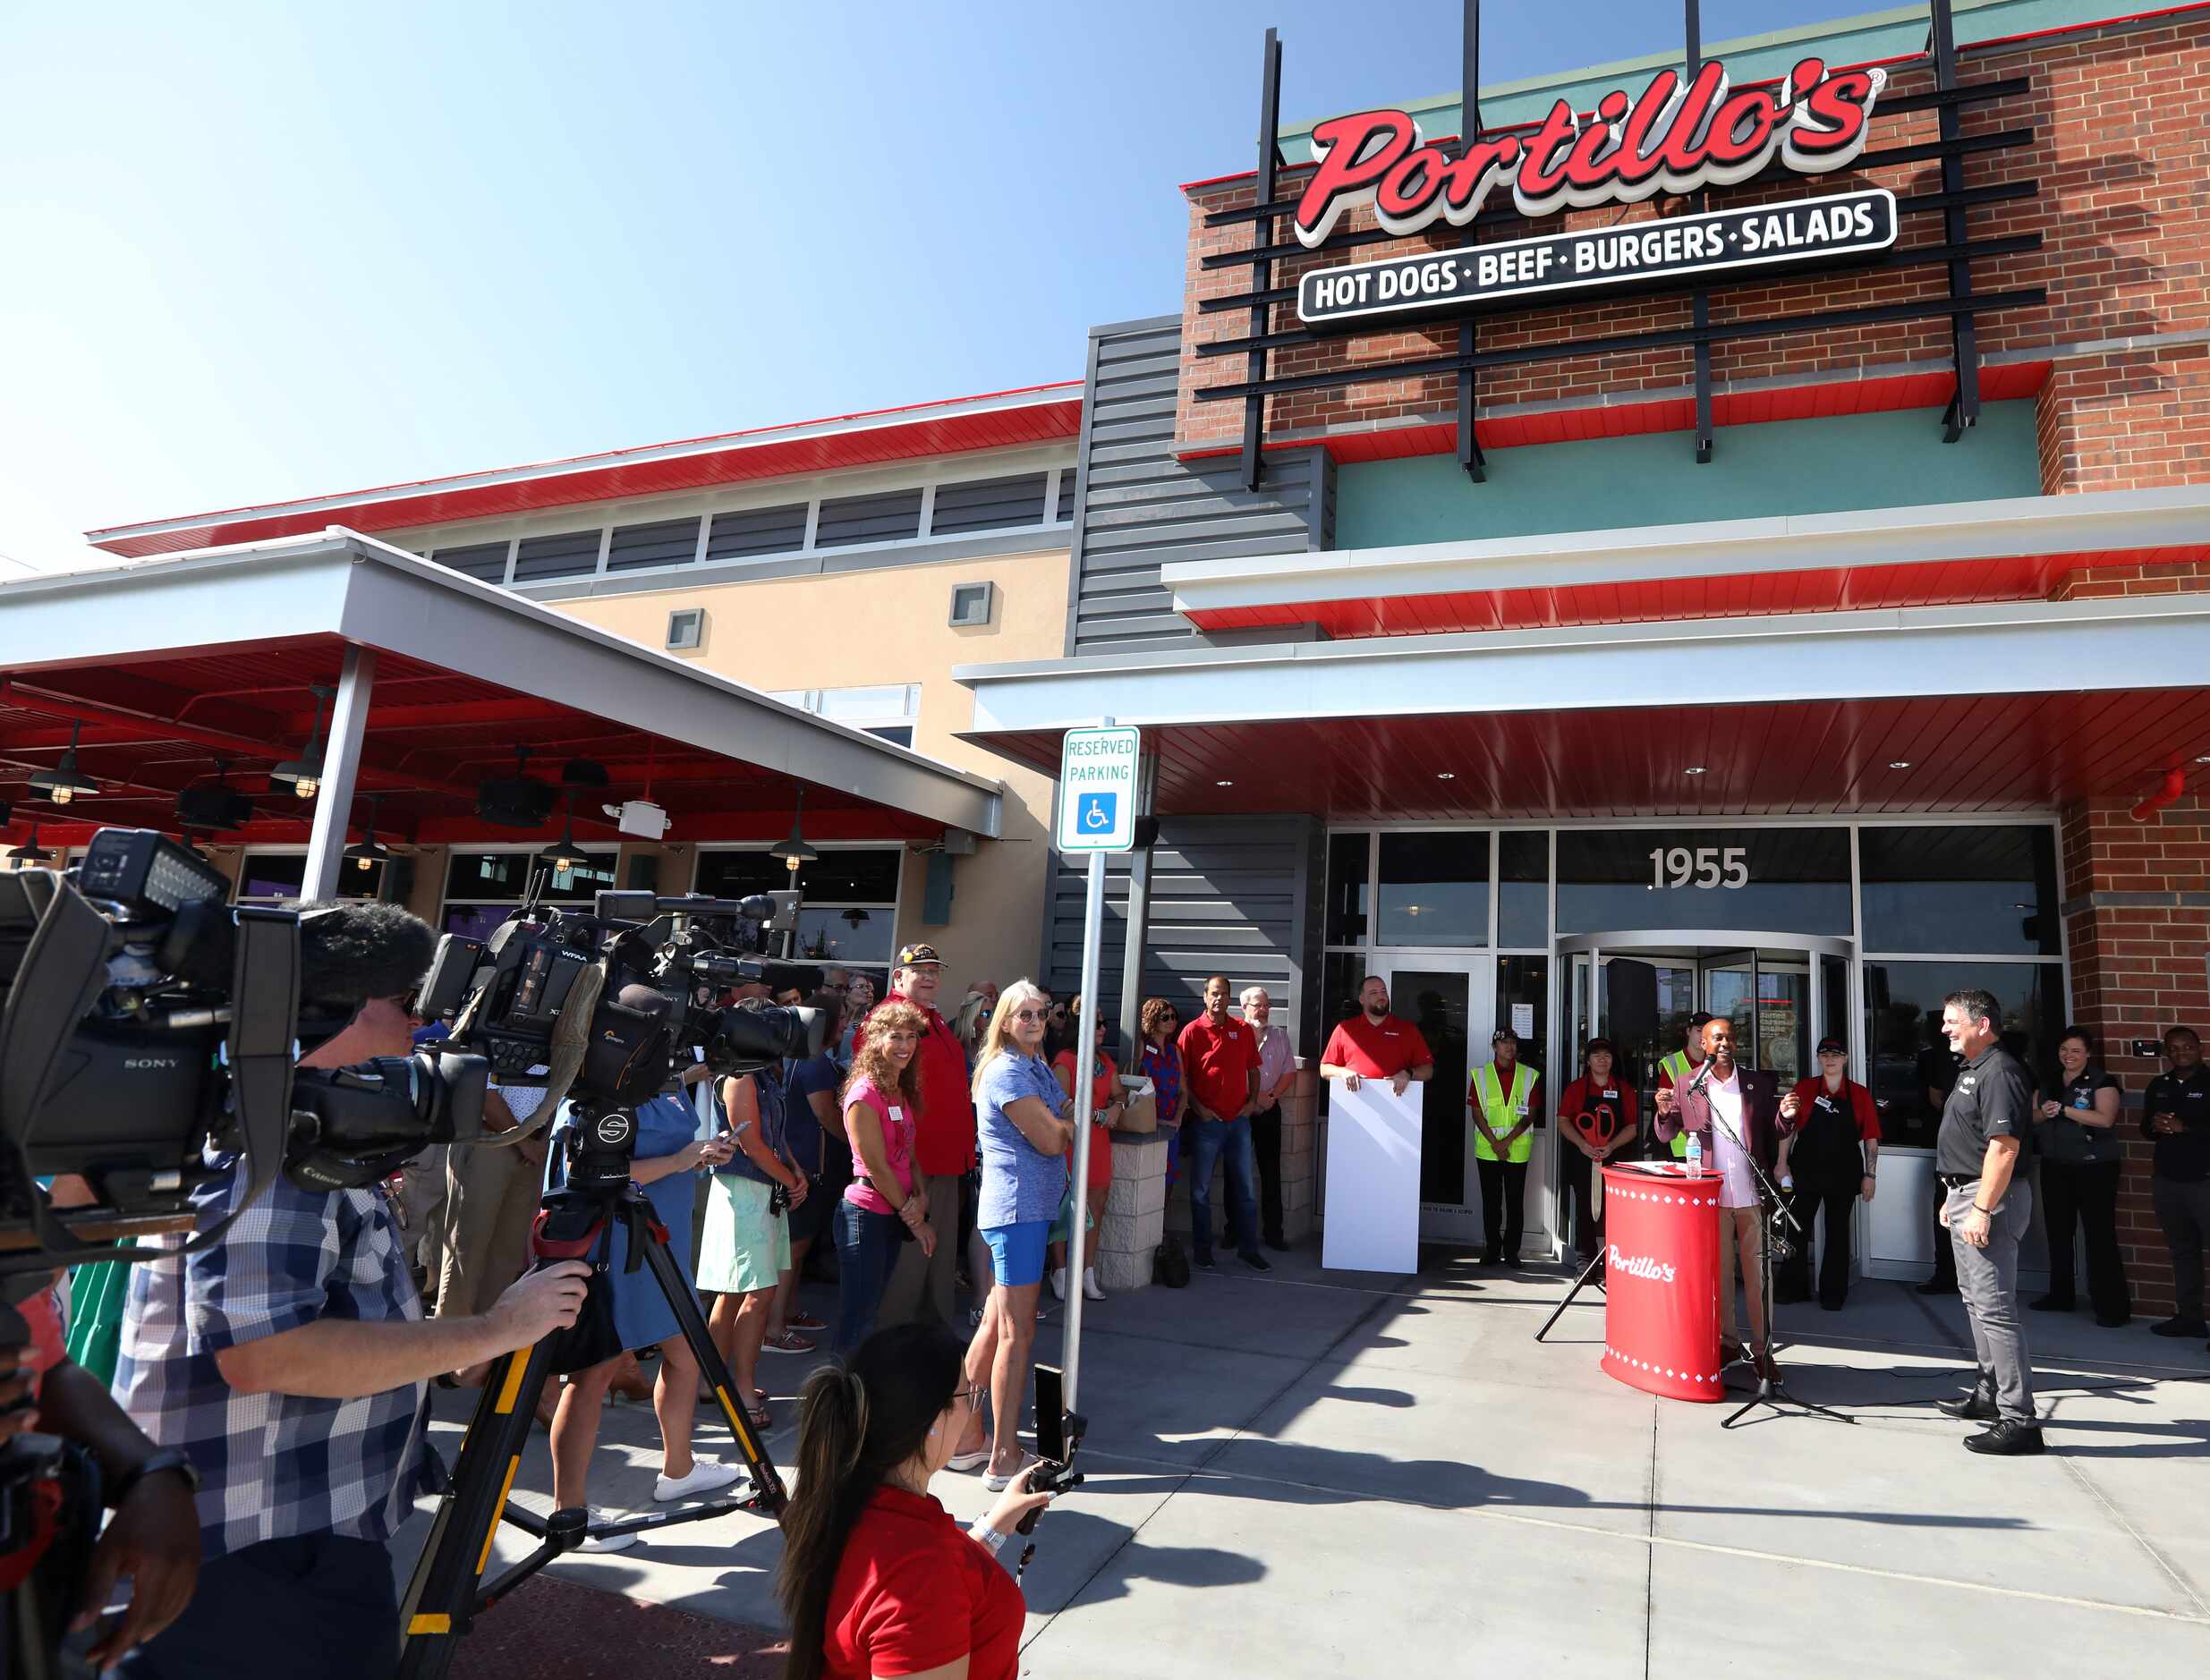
(885, 1206)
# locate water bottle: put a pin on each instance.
(1695, 1154)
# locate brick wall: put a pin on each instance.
(2137, 899)
(2120, 150)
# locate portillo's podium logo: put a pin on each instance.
(1679, 136)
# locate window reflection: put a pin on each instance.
(1433, 890)
(1910, 1062)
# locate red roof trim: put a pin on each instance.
(951, 426)
(1903, 58)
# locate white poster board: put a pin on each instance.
(1373, 1178)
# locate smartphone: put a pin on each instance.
(1050, 1414)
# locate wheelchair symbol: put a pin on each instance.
(1097, 813)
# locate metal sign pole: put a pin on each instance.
(1086, 1072)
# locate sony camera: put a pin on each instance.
(146, 1019)
(604, 1008)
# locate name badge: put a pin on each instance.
(1520, 1109)
(1826, 1103)
(1612, 1096)
(898, 1115)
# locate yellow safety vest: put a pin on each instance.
(1673, 1068)
(1502, 1112)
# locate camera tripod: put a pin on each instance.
(448, 1590)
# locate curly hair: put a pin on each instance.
(1155, 1010)
(871, 1055)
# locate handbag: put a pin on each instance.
(594, 1337)
(1139, 1111)
(1171, 1266)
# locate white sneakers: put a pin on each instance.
(1090, 1284)
(607, 1542)
(1058, 1283)
(706, 1475)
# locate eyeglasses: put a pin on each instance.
(972, 1395)
(1031, 1014)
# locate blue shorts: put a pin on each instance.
(1016, 1252)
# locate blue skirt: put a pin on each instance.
(640, 1312)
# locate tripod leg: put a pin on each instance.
(440, 1597)
(684, 1303)
(1586, 1278)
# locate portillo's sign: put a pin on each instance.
(1677, 137)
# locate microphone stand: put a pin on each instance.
(1778, 1221)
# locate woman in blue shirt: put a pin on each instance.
(668, 1152)
(1024, 1127)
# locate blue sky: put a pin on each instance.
(259, 251)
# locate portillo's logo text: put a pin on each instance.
(1679, 136)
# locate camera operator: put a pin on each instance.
(288, 1362)
(877, 1578)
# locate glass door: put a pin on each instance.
(1446, 998)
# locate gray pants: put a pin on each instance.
(921, 1285)
(1988, 1280)
(2183, 1209)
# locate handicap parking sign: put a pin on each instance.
(1097, 789)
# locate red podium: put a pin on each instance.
(1660, 1318)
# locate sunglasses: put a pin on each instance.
(1032, 1014)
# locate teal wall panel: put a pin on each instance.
(1810, 466)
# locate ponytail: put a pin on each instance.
(858, 1420)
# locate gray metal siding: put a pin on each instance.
(989, 505)
(566, 556)
(1233, 895)
(757, 530)
(669, 542)
(1139, 508)
(892, 516)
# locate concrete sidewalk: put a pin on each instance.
(1325, 1473)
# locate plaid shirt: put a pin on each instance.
(275, 1465)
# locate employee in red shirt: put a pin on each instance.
(1220, 1069)
(1375, 1044)
(1827, 1163)
(943, 1146)
(877, 1578)
(1599, 1118)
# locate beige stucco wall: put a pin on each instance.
(888, 626)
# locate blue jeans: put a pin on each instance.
(1207, 1141)
(328, 1593)
(867, 1246)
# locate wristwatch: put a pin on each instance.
(164, 1460)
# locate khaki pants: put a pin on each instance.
(923, 1285)
(423, 1195)
(1742, 1231)
(491, 1196)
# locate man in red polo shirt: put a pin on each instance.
(943, 1147)
(1220, 1072)
(1375, 1044)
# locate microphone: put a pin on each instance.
(1702, 1078)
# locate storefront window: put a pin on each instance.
(1522, 888)
(1990, 889)
(1433, 890)
(848, 916)
(1523, 1005)
(1349, 865)
(1911, 1064)
(482, 888)
(1789, 880)
(268, 878)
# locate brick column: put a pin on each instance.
(2137, 913)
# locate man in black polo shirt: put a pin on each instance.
(2176, 1119)
(1984, 1123)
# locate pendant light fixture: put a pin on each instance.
(563, 856)
(795, 850)
(303, 774)
(63, 782)
(367, 854)
(29, 855)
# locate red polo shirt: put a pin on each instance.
(944, 1138)
(912, 1593)
(1376, 1050)
(1217, 1062)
